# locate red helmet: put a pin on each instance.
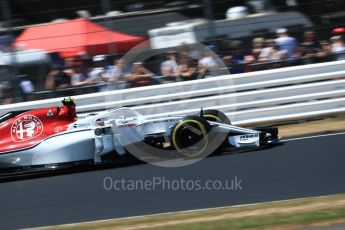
(68, 110)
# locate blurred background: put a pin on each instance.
(62, 48)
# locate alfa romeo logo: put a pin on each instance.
(25, 128)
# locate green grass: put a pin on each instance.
(259, 216)
(263, 222)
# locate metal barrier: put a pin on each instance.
(249, 98)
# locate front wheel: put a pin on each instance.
(190, 136)
(216, 115)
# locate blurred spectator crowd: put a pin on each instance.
(285, 50)
(105, 73)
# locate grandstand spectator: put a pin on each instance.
(237, 59)
(118, 71)
(101, 72)
(78, 74)
(7, 96)
(26, 88)
(207, 63)
(140, 76)
(338, 47)
(285, 43)
(68, 66)
(257, 45)
(270, 52)
(169, 67)
(139, 71)
(57, 78)
(96, 75)
(309, 46)
(187, 70)
(324, 54)
(115, 74)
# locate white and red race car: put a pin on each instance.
(50, 137)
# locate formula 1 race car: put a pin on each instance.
(49, 137)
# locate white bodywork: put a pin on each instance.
(94, 135)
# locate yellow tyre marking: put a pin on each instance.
(203, 130)
(213, 116)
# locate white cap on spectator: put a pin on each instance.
(338, 37)
(98, 58)
(281, 31)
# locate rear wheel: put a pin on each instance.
(190, 136)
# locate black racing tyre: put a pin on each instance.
(190, 136)
(216, 115)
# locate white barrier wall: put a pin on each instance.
(239, 95)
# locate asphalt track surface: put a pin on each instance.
(299, 168)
